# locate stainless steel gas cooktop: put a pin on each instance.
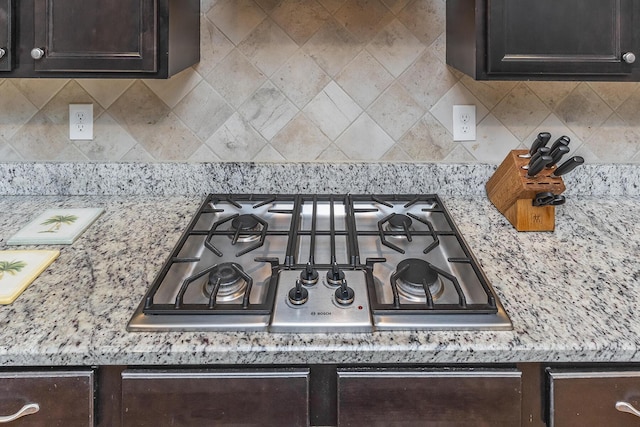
(320, 263)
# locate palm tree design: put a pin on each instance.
(56, 222)
(11, 267)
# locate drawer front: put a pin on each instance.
(419, 398)
(64, 398)
(215, 397)
(589, 398)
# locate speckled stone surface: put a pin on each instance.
(573, 295)
(184, 179)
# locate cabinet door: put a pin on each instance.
(186, 398)
(422, 397)
(64, 398)
(6, 29)
(110, 35)
(588, 399)
(568, 37)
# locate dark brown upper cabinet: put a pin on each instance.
(112, 38)
(6, 28)
(544, 39)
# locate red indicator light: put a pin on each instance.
(359, 307)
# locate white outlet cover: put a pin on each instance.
(81, 122)
(464, 122)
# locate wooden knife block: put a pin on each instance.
(512, 192)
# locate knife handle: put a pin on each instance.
(543, 151)
(557, 154)
(563, 140)
(540, 141)
(538, 165)
(568, 166)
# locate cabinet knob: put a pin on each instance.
(2, 52)
(629, 57)
(28, 409)
(628, 408)
(37, 53)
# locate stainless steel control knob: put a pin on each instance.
(2, 52)
(37, 53)
(629, 57)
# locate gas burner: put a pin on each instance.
(414, 273)
(232, 284)
(246, 228)
(399, 223)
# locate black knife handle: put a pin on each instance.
(568, 166)
(538, 165)
(543, 151)
(557, 154)
(540, 141)
(563, 140)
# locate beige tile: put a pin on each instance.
(425, 19)
(493, 143)
(614, 93)
(300, 18)
(618, 149)
(214, 46)
(333, 47)
(457, 95)
(236, 18)
(203, 111)
(585, 152)
(70, 153)
(428, 140)
(332, 5)
(173, 90)
(396, 154)
(363, 18)
(205, 5)
(630, 109)
(332, 154)
(8, 154)
(267, 47)
(459, 154)
(521, 111)
(583, 111)
(268, 154)
(39, 91)
(236, 140)
(395, 47)
(300, 79)
(58, 108)
(150, 122)
(203, 154)
(110, 141)
(235, 78)
(268, 110)
(137, 154)
(39, 139)
(396, 5)
(427, 79)
(552, 93)
(490, 93)
(104, 91)
(268, 5)
(364, 140)
(556, 128)
(300, 140)
(332, 110)
(395, 111)
(15, 110)
(364, 90)
(439, 49)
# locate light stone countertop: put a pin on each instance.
(573, 295)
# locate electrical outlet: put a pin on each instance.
(464, 122)
(81, 122)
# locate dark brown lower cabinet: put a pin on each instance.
(416, 397)
(593, 398)
(206, 397)
(47, 398)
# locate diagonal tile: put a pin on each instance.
(236, 140)
(300, 140)
(493, 143)
(490, 93)
(300, 18)
(332, 154)
(556, 128)
(15, 110)
(428, 79)
(332, 110)
(236, 18)
(268, 47)
(205, 5)
(521, 111)
(268, 110)
(70, 153)
(104, 91)
(395, 154)
(203, 154)
(364, 140)
(583, 111)
(7, 153)
(268, 154)
(459, 154)
(395, 47)
(57, 110)
(332, 5)
(552, 93)
(428, 140)
(619, 149)
(268, 5)
(395, 111)
(235, 78)
(110, 141)
(333, 47)
(614, 93)
(214, 46)
(39, 91)
(425, 19)
(203, 111)
(300, 79)
(39, 139)
(457, 95)
(137, 154)
(630, 109)
(173, 90)
(396, 5)
(363, 18)
(364, 90)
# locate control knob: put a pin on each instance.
(298, 295)
(335, 276)
(309, 276)
(344, 294)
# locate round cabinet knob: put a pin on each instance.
(2, 52)
(629, 57)
(37, 53)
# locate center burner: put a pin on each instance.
(417, 279)
(246, 227)
(399, 222)
(227, 281)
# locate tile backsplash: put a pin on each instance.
(315, 80)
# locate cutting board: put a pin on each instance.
(19, 268)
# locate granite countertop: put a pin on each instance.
(572, 294)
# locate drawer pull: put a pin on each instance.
(28, 409)
(628, 408)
